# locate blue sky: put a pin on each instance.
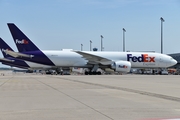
(58, 24)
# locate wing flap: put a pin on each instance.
(94, 59)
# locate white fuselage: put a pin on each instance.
(137, 59)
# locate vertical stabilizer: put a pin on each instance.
(23, 43)
(4, 46)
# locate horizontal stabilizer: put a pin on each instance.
(6, 60)
(17, 54)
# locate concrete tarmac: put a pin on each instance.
(79, 97)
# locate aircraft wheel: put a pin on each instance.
(90, 73)
(86, 73)
(94, 73)
(99, 73)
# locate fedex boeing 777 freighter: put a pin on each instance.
(118, 61)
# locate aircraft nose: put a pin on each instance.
(174, 62)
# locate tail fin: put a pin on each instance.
(8, 59)
(23, 43)
(4, 46)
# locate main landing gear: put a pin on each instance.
(92, 73)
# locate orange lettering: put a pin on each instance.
(145, 57)
(152, 59)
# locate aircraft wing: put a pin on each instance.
(94, 59)
(17, 54)
(6, 60)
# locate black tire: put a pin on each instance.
(86, 73)
(99, 73)
(94, 73)
(90, 73)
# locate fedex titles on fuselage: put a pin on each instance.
(143, 58)
(23, 41)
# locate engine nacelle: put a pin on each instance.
(121, 66)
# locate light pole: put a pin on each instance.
(101, 43)
(81, 47)
(124, 39)
(162, 20)
(90, 44)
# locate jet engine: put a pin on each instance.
(121, 66)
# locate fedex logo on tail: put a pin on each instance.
(23, 41)
(142, 58)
